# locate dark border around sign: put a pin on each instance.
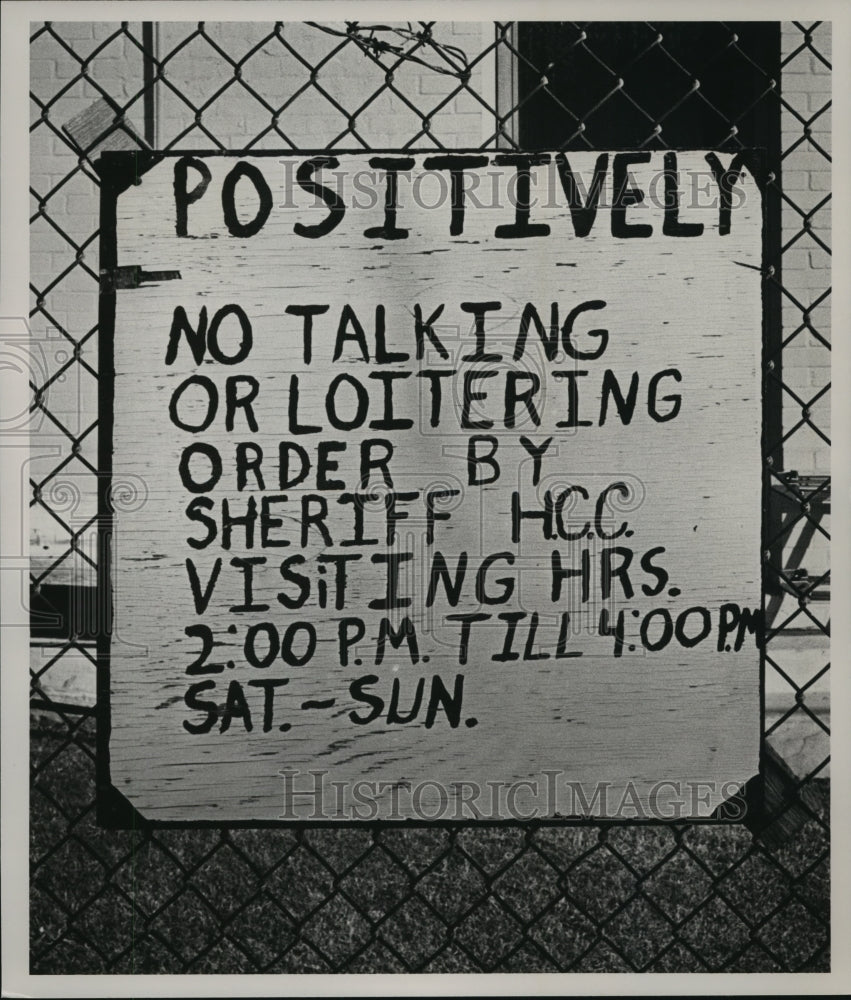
(120, 170)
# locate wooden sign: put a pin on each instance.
(435, 484)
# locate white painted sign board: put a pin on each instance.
(440, 514)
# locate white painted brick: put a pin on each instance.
(75, 30)
(816, 101)
(818, 83)
(81, 205)
(471, 30)
(795, 180)
(431, 83)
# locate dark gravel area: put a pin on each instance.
(510, 899)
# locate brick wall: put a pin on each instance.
(806, 137)
(806, 274)
(320, 79)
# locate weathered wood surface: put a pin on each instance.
(693, 304)
(95, 131)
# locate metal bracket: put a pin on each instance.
(132, 276)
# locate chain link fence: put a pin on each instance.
(599, 897)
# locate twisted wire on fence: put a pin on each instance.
(601, 897)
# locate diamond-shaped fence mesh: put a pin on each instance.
(599, 897)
